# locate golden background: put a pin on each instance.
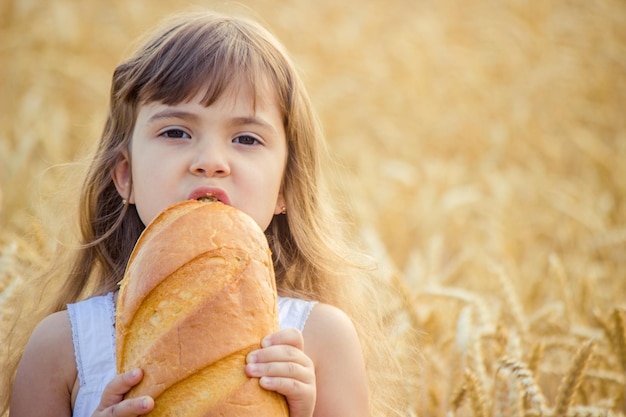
(484, 144)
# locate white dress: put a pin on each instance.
(94, 345)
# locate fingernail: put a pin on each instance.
(266, 342)
(253, 369)
(134, 372)
(252, 358)
(265, 382)
(144, 403)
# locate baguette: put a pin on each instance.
(197, 296)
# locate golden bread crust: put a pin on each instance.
(198, 294)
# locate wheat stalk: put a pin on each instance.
(558, 270)
(458, 396)
(572, 380)
(551, 315)
(587, 411)
(502, 338)
(478, 364)
(609, 238)
(534, 403)
(604, 324)
(536, 354)
(406, 299)
(619, 340)
(484, 317)
(472, 387)
(512, 299)
(619, 336)
(508, 400)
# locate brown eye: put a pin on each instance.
(246, 140)
(176, 134)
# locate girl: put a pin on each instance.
(209, 104)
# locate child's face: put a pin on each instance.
(229, 149)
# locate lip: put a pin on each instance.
(209, 191)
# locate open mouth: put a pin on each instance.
(209, 198)
(209, 194)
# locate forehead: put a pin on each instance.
(239, 90)
(239, 93)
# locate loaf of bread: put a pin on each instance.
(197, 296)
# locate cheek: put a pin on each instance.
(148, 193)
(278, 172)
(268, 189)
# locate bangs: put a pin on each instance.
(210, 54)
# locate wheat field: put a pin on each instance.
(484, 144)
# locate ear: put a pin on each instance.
(121, 177)
(280, 204)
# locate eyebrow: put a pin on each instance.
(173, 114)
(251, 120)
(235, 121)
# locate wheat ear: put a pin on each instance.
(619, 339)
(472, 387)
(558, 270)
(512, 299)
(508, 396)
(571, 381)
(458, 397)
(586, 411)
(604, 325)
(619, 336)
(406, 300)
(534, 403)
(535, 357)
(477, 395)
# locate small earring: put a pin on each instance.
(124, 202)
(283, 210)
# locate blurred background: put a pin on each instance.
(484, 144)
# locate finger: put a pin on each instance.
(114, 391)
(291, 337)
(290, 388)
(279, 353)
(131, 407)
(301, 397)
(113, 403)
(289, 370)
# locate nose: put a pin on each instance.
(210, 160)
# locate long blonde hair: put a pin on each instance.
(312, 258)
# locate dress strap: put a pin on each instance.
(293, 312)
(94, 349)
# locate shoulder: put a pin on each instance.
(50, 344)
(327, 329)
(47, 371)
(332, 342)
(52, 336)
(325, 317)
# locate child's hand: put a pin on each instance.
(282, 366)
(113, 403)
